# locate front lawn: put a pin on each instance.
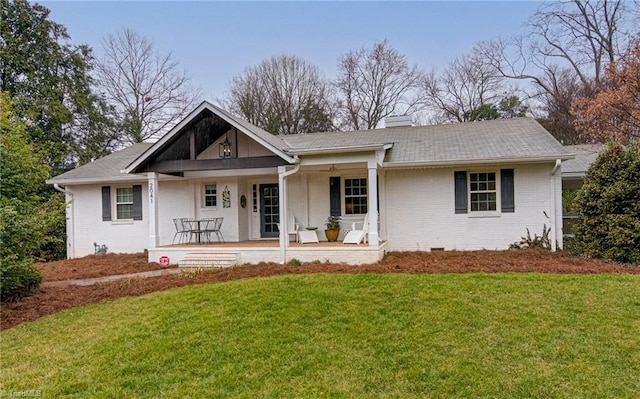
(508, 335)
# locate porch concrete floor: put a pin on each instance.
(264, 244)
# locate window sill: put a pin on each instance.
(122, 222)
(484, 214)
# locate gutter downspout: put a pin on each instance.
(71, 248)
(555, 238)
(284, 236)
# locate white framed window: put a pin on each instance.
(483, 192)
(124, 203)
(355, 196)
(209, 195)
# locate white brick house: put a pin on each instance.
(459, 186)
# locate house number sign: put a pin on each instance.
(151, 192)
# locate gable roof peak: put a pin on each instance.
(266, 139)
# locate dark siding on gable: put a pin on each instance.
(507, 190)
(137, 202)
(106, 203)
(460, 187)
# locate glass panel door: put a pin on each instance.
(269, 210)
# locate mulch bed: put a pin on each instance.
(53, 299)
(95, 266)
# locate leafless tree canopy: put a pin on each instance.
(283, 95)
(148, 90)
(586, 35)
(564, 55)
(375, 83)
(583, 36)
(456, 94)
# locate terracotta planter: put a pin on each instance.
(332, 235)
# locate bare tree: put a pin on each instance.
(374, 83)
(147, 89)
(583, 36)
(283, 95)
(466, 90)
(569, 42)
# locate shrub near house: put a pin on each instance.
(22, 229)
(608, 205)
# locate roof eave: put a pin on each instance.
(573, 175)
(482, 161)
(336, 150)
(93, 180)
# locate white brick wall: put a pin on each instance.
(420, 210)
(119, 237)
(418, 206)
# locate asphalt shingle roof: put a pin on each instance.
(505, 139)
(107, 167)
(585, 155)
(461, 142)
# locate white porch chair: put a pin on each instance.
(292, 226)
(356, 236)
(308, 236)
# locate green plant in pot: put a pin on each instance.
(332, 228)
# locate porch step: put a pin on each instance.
(208, 259)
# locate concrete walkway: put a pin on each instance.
(91, 281)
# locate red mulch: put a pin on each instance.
(49, 300)
(96, 266)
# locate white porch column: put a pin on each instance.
(282, 206)
(154, 238)
(372, 206)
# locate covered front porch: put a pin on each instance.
(213, 166)
(237, 253)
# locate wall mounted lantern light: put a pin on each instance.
(225, 148)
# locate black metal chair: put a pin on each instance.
(180, 231)
(216, 229)
(191, 228)
(206, 227)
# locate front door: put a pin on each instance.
(269, 210)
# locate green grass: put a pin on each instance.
(343, 336)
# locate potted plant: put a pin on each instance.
(333, 228)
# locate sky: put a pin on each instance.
(215, 41)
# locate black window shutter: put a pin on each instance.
(460, 186)
(106, 203)
(506, 194)
(137, 202)
(335, 204)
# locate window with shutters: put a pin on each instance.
(124, 203)
(482, 191)
(355, 196)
